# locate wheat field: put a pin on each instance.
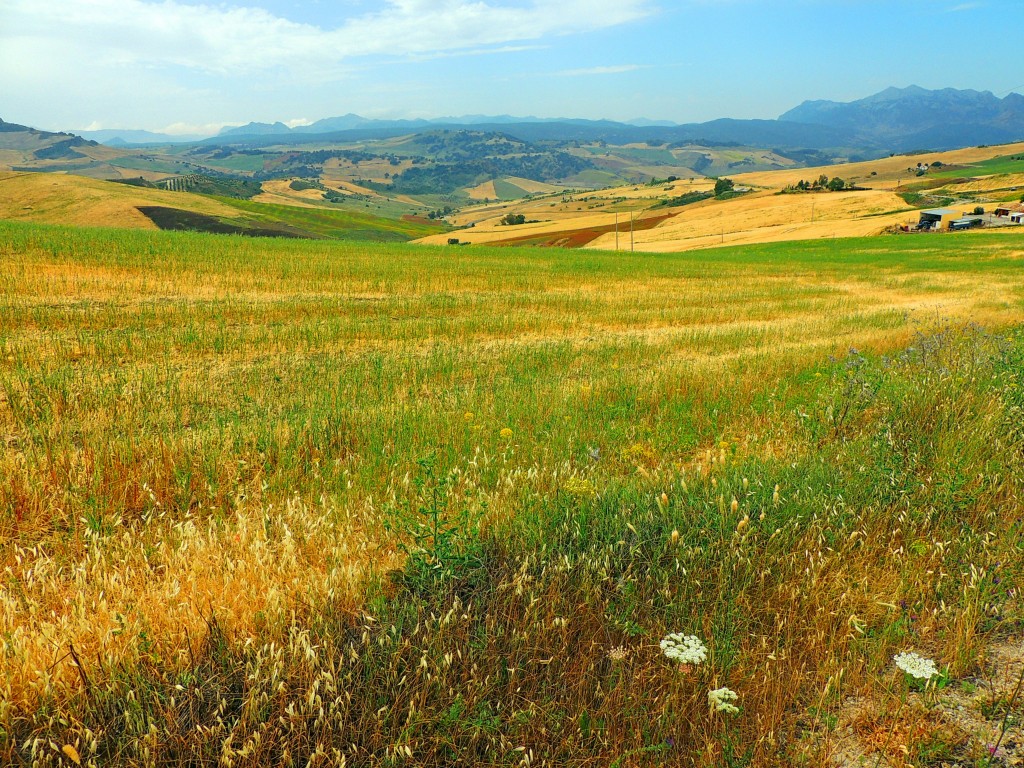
(224, 461)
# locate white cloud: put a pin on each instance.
(238, 41)
(191, 129)
(612, 70)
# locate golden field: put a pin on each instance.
(278, 502)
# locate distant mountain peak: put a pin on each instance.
(256, 129)
(918, 118)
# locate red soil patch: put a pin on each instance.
(577, 238)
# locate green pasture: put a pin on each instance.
(997, 165)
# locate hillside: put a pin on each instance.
(76, 200)
(683, 214)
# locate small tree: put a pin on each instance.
(836, 185)
(722, 186)
(512, 219)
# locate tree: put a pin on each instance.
(722, 186)
(512, 219)
(836, 185)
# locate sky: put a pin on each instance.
(192, 67)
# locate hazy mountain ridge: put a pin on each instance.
(917, 118)
(893, 120)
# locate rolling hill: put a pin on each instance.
(81, 201)
(684, 214)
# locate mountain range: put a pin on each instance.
(894, 120)
(916, 118)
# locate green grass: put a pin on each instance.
(154, 165)
(997, 165)
(245, 163)
(637, 154)
(594, 178)
(506, 190)
(428, 490)
(335, 224)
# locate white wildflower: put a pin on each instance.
(722, 700)
(618, 653)
(915, 665)
(686, 649)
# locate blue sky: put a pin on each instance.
(191, 67)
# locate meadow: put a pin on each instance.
(322, 503)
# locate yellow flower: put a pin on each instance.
(468, 416)
(506, 434)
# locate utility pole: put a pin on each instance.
(616, 230)
(812, 210)
(631, 231)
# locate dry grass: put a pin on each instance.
(485, 191)
(888, 170)
(210, 446)
(280, 193)
(76, 200)
(761, 217)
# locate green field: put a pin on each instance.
(506, 190)
(288, 503)
(334, 223)
(997, 165)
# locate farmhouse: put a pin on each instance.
(938, 218)
(1003, 210)
(1017, 218)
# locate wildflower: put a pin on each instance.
(686, 649)
(467, 416)
(721, 700)
(618, 653)
(506, 434)
(916, 665)
(577, 486)
(675, 537)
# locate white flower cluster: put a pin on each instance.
(915, 665)
(686, 649)
(722, 700)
